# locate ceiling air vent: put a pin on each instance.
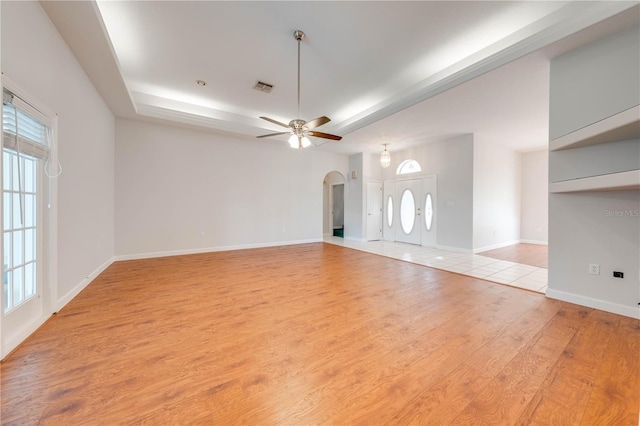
(263, 87)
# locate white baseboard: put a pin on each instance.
(603, 305)
(62, 301)
(151, 255)
(538, 242)
(14, 341)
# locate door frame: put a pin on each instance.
(48, 211)
(331, 178)
(331, 207)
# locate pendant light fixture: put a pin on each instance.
(385, 158)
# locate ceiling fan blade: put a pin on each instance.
(325, 135)
(275, 121)
(273, 134)
(317, 122)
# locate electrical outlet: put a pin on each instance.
(618, 274)
(594, 269)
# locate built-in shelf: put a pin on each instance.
(622, 181)
(619, 127)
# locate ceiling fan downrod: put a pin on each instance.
(298, 35)
(298, 128)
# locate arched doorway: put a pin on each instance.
(333, 204)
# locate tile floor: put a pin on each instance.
(500, 271)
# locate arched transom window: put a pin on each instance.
(408, 166)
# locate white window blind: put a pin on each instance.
(33, 135)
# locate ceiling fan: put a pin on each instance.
(298, 128)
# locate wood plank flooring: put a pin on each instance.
(527, 254)
(319, 334)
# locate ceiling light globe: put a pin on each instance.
(303, 142)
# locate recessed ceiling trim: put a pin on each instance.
(550, 29)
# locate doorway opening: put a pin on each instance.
(333, 204)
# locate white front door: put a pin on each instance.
(409, 224)
(374, 210)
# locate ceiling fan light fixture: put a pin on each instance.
(303, 142)
(385, 158)
(298, 127)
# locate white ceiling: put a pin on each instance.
(385, 72)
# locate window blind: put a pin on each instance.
(33, 135)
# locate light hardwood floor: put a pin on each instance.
(319, 334)
(527, 254)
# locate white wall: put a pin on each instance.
(182, 191)
(35, 57)
(601, 229)
(355, 199)
(588, 85)
(594, 160)
(594, 82)
(496, 196)
(534, 213)
(452, 161)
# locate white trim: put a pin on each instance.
(12, 342)
(550, 29)
(618, 127)
(620, 181)
(495, 246)
(52, 205)
(34, 106)
(151, 255)
(62, 302)
(627, 311)
(539, 242)
(332, 187)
